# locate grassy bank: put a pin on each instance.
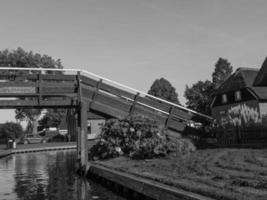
(217, 173)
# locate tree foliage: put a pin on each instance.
(222, 71)
(162, 88)
(199, 95)
(24, 59)
(11, 130)
(52, 118)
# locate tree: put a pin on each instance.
(163, 89)
(222, 71)
(11, 130)
(199, 95)
(52, 118)
(23, 59)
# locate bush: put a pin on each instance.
(136, 137)
(11, 130)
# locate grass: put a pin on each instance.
(225, 174)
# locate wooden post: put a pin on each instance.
(134, 103)
(83, 144)
(72, 124)
(169, 117)
(39, 81)
(78, 111)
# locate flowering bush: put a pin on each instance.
(136, 137)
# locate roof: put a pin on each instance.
(252, 78)
(261, 92)
(241, 78)
(261, 79)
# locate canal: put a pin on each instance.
(47, 175)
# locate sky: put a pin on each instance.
(135, 42)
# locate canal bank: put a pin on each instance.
(137, 188)
(27, 148)
(227, 174)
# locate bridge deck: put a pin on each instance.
(34, 89)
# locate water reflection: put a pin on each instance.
(46, 176)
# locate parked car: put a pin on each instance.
(29, 139)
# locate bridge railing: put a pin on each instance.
(132, 95)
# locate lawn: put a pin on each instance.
(218, 173)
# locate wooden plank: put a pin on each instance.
(34, 103)
(18, 77)
(59, 77)
(116, 91)
(34, 77)
(108, 110)
(113, 101)
(4, 95)
(176, 125)
(141, 110)
(88, 81)
(18, 84)
(58, 89)
(96, 91)
(87, 92)
(58, 84)
(154, 103)
(182, 114)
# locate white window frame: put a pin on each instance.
(224, 98)
(238, 95)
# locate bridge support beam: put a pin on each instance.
(82, 143)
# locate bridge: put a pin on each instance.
(81, 92)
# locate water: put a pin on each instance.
(49, 175)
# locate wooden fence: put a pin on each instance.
(237, 135)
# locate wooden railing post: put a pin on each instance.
(134, 103)
(169, 117)
(39, 82)
(98, 85)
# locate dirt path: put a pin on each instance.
(218, 173)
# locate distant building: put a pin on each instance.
(95, 123)
(241, 101)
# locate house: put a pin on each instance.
(95, 123)
(241, 101)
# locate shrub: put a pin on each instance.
(11, 130)
(136, 137)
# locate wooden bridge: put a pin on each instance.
(81, 91)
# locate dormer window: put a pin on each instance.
(238, 95)
(224, 98)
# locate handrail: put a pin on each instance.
(108, 80)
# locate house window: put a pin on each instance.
(237, 95)
(224, 98)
